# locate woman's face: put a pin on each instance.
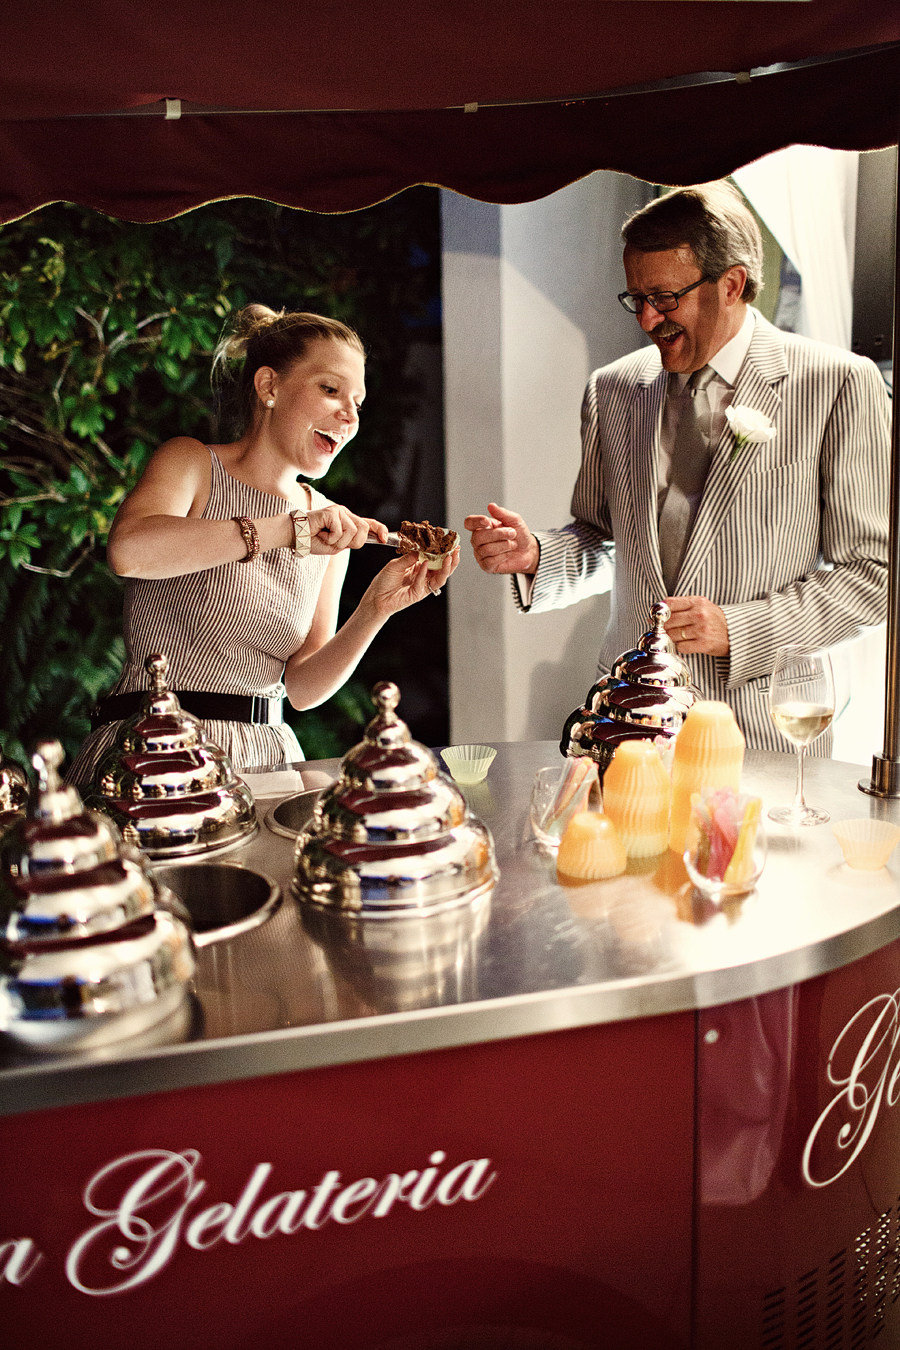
(317, 402)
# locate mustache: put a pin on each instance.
(668, 329)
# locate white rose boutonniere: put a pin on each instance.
(749, 426)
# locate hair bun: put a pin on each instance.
(256, 316)
(245, 325)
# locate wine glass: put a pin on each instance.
(801, 704)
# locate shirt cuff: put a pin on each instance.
(523, 586)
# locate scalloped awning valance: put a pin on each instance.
(337, 106)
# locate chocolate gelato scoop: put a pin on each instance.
(423, 537)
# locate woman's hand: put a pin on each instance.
(324, 662)
(334, 528)
(405, 581)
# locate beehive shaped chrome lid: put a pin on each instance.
(647, 694)
(393, 834)
(654, 660)
(63, 871)
(86, 932)
(169, 788)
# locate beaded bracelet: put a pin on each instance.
(249, 536)
(302, 534)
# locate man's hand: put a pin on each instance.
(697, 625)
(502, 542)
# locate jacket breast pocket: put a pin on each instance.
(779, 509)
(764, 474)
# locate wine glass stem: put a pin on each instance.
(799, 803)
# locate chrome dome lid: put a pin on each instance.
(646, 695)
(169, 788)
(654, 660)
(90, 945)
(63, 871)
(393, 834)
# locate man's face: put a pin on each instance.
(706, 318)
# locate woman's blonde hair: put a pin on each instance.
(258, 336)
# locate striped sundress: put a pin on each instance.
(228, 630)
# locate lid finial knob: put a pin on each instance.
(157, 667)
(386, 696)
(47, 760)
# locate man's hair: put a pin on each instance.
(713, 220)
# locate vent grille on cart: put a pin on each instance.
(844, 1304)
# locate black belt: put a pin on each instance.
(211, 707)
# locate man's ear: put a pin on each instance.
(735, 280)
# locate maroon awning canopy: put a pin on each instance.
(333, 107)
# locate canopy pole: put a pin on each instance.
(885, 781)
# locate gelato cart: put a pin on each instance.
(557, 1116)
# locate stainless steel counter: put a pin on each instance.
(307, 989)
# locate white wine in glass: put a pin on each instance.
(801, 704)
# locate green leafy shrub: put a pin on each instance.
(106, 331)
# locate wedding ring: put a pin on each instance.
(683, 634)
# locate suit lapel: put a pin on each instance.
(758, 388)
(643, 459)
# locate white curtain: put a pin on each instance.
(807, 197)
(806, 194)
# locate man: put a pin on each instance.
(753, 542)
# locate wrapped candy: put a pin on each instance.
(724, 841)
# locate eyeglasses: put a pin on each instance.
(661, 301)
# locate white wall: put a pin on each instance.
(529, 309)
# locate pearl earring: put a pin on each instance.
(270, 403)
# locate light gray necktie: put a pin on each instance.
(690, 462)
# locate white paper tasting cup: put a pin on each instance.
(866, 844)
(468, 763)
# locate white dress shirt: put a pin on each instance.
(727, 364)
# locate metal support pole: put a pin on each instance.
(885, 781)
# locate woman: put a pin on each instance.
(235, 567)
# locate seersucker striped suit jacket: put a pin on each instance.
(791, 537)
